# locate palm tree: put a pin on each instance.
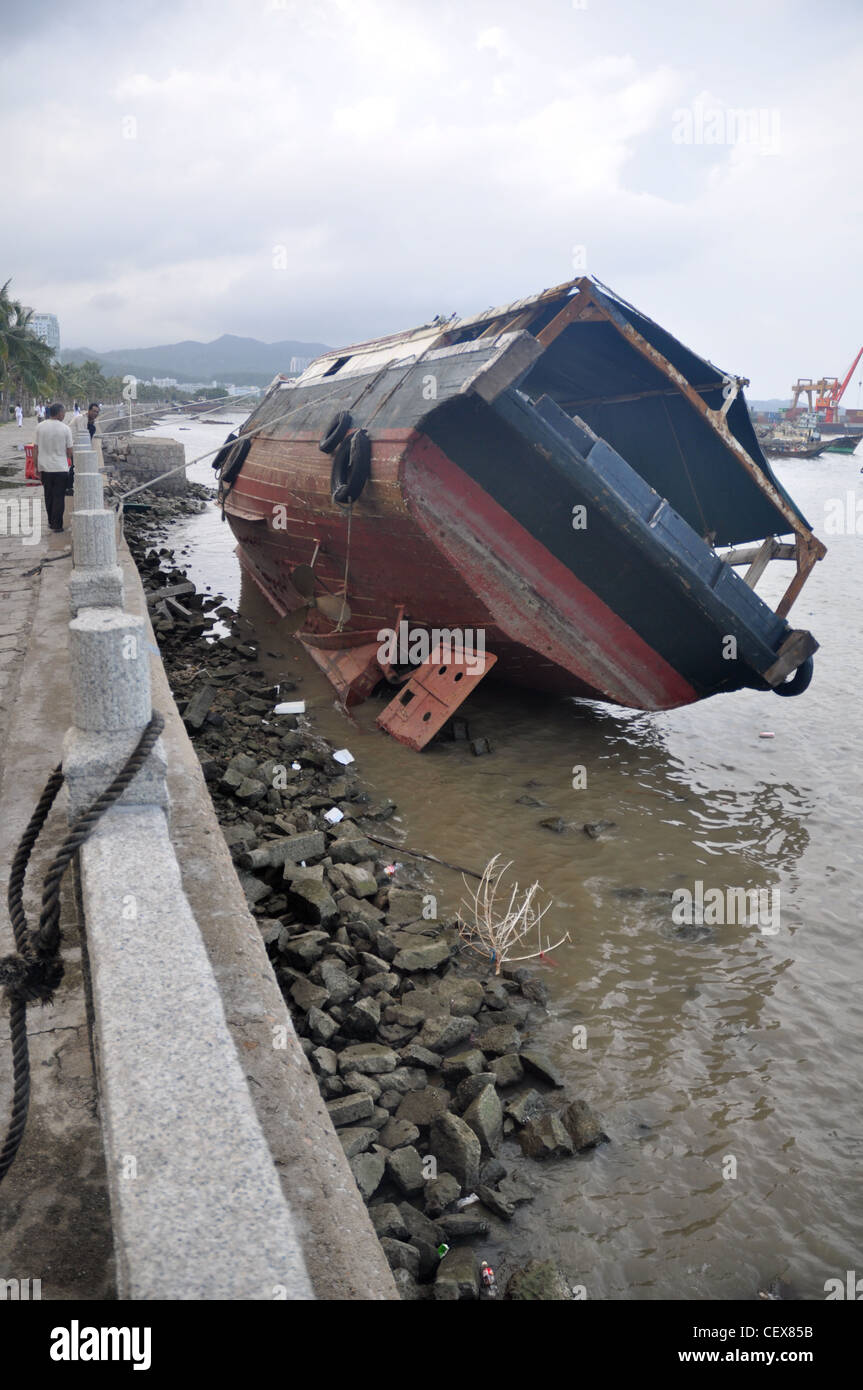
(25, 361)
(69, 383)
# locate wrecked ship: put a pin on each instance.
(559, 474)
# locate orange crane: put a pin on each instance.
(828, 392)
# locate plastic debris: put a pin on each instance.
(466, 1201)
(334, 815)
(489, 1282)
(766, 735)
(296, 767)
(343, 756)
(290, 707)
(390, 869)
(442, 1249)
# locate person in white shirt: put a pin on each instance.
(19, 416)
(52, 456)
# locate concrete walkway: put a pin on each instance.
(54, 1218)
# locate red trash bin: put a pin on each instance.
(30, 472)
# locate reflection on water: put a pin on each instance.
(705, 1044)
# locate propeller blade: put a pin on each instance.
(303, 580)
(334, 606)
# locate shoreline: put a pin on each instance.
(426, 1060)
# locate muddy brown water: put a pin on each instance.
(710, 1051)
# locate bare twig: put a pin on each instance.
(494, 931)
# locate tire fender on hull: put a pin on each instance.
(796, 684)
(351, 467)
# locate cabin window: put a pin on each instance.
(339, 363)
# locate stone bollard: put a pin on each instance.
(89, 491)
(94, 540)
(110, 687)
(96, 580)
(89, 481)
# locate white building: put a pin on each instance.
(46, 327)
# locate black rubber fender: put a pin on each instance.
(351, 468)
(799, 682)
(236, 459)
(335, 432)
(222, 456)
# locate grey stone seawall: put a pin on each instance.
(135, 459)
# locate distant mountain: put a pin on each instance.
(244, 361)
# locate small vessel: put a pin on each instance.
(842, 443)
(783, 446)
(558, 485)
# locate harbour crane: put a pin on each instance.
(828, 392)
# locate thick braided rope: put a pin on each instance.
(34, 972)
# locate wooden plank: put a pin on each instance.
(580, 306)
(806, 558)
(797, 646)
(745, 554)
(516, 355)
(761, 561)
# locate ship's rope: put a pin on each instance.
(142, 487)
(341, 621)
(33, 972)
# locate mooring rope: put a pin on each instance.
(32, 974)
(304, 405)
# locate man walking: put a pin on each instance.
(19, 416)
(90, 422)
(91, 419)
(52, 456)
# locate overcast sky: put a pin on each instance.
(335, 169)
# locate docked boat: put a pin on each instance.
(557, 486)
(841, 443)
(785, 446)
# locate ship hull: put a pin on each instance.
(489, 509)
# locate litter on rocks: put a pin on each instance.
(344, 756)
(290, 707)
(334, 815)
(466, 1201)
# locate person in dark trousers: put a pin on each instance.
(52, 455)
